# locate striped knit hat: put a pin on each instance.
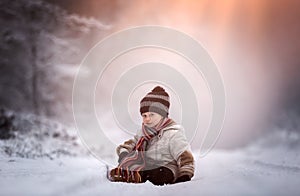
(156, 101)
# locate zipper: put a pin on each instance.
(156, 145)
(156, 151)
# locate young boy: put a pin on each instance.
(159, 152)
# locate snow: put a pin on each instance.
(39, 137)
(47, 158)
(254, 170)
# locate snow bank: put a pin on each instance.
(35, 137)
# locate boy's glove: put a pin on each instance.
(160, 176)
(183, 178)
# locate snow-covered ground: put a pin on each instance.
(255, 170)
(46, 158)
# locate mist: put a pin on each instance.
(253, 43)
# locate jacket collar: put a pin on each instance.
(172, 127)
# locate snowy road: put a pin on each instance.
(219, 173)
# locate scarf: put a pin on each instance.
(131, 165)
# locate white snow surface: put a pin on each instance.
(259, 169)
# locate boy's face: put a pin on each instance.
(150, 119)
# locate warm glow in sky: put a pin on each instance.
(249, 41)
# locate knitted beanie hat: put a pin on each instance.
(156, 101)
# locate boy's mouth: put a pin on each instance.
(148, 124)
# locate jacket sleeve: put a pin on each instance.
(127, 146)
(181, 152)
(185, 164)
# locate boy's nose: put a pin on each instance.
(147, 119)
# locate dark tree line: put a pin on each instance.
(41, 46)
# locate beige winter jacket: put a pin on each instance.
(169, 148)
